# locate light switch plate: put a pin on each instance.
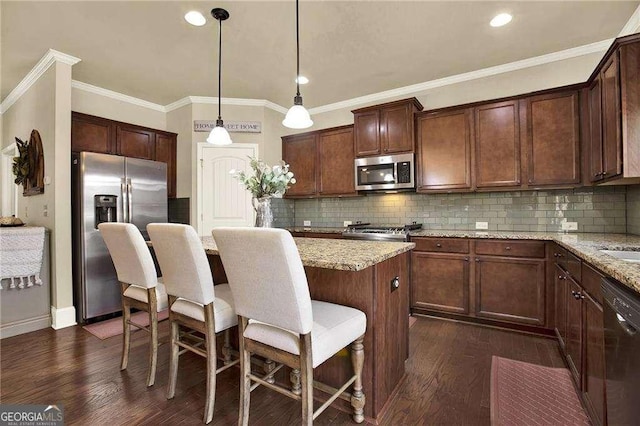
(306, 223)
(482, 225)
(346, 223)
(569, 226)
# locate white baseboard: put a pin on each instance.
(63, 317)
(24, 326)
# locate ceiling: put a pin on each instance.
(145, 49)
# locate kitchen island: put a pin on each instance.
(373, 277)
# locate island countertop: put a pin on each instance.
(344, 255)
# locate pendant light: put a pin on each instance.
(297, 117)
(219, 135)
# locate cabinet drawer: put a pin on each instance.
(444, 245)
(591, 280)
(511, 248)
(573, 267)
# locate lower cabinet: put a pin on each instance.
(560, 293)
(440, 282)
(573, 343)
(510, 289)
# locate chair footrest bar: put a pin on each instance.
(338, 394)
(331, 390)
(276, 388)
(192, 349)
(271, 373)
(227, 366)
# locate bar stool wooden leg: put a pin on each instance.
(306, 376)
(211, 363)
(226, 348)
(173, 358)
(294, 377)
(153, 329)
(245, 371)
(269, 366)
(126, 335)
(357, 396)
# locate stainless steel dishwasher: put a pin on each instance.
(622, 353)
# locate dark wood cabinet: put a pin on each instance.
(322, 161)
(611, 119)
(510, 289)
(301, 153)
(386, 128)
(96, 134)
(553, 139)
(440, 282)
(573, 342)
(497, 145)
(336, 156)
(132, 141)
(93, 134)
(595, 131)
(165, 151)
(444, 141)
(561, 291)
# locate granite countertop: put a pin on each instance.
(586, 246)
(345, 255)
(319, 230)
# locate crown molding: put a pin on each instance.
(414, 89)
(52, 56)
(208, 100)
(633, 24)
(116, 95)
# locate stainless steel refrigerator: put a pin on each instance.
(109, 188)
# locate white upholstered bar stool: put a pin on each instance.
(193, 303)
(278, 320)
(141, 289)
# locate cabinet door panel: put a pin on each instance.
(440, 282)
(444, 149)
(166, 152)
(135, 142)
(395, 129)
(510, 289)
(367, 133)
(611, 120)
(301, 155)
(553, 139)
(561, 291)
(92, 134)
(594, 381)
(336, 152)
(595, 129)
(497, 132)
(574, 330)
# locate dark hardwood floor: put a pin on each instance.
(447, 379)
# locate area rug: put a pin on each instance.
(113, 327)
(524, 394)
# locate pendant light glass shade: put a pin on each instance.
(219, 135)
(297, 117)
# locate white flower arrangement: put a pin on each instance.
(266, 181)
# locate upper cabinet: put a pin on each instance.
(614, 115)
(497, 137)
(444, 141)
(322, 162)
(95, 134)
(386, 128)
(553, 139)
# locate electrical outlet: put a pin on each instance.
(346, 223)
(482, 225)
(569, 226)
(306, 223)
(45, 210)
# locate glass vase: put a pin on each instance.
(264, 215)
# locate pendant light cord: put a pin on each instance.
(297, 53)
(220, 69)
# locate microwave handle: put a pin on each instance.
(395, 172)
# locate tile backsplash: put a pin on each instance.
(596, 209)
(633, 209)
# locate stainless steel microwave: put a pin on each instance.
(386, 172)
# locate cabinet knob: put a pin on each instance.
(507, 248)
(395, 283)
(562, 277)
(438, 245)
(477, 260)
(466, 259)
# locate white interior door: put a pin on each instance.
(223, 200)
(9, 189)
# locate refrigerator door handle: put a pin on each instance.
(123, 193)
(129, 200)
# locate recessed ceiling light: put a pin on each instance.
(195, 18)
(500, 20)
(302, 79)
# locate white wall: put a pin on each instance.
(46, 107)
(114, 109)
